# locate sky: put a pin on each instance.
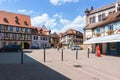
(56, 15)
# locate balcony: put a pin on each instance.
(110, 32)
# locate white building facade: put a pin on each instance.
(40, 38)
(15, 29)
(94, 16)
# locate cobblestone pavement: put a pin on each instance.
(34, 67)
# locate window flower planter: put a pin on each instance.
(110, 32)
(98, 34)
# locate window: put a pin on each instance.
(110, 12)
(110, 27)
(5, 27)
(28, 37)
(103, 16)
(17, 29)
(45, 45)
(6, 34)
(26, 29)
(46, 38)
(5, 20)
(112, 46)
(25, 23)
(99, 18)
(22, 29)
(92, 19)
(11, 28)
(17, 20)
(98, 31)
(35, 37)
(43, 38)
(0, 26)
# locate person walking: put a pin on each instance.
(98, 53)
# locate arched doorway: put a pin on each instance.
(26, 45)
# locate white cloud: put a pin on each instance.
(38, 20)
(57, 15)
(24, 11)
(64, 21)
(44, 19)
(60, 2)
(78, 24)
(51, 23)
(55, 30)
(60, 25)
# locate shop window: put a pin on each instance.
(112, 46)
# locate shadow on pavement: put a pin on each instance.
(30, 70)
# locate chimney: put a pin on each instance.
(117, 7)
(91, 8)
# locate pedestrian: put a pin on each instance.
(98, 53)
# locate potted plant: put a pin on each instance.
(110, 32)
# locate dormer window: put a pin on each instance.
(5, 20)
(17, 20)
(25, 23)
(41, 30)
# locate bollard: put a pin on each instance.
(88, 52)
(44, 56)
(62, 54)
(21, 56)
(76, 54)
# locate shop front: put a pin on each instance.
(109, 45)
(113, 48)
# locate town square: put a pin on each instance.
(60, 40)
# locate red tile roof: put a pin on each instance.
(112, 5)
(72, 31)
(114, 17)
(40, 31)
(9, 18)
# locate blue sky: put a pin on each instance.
(57, 15)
